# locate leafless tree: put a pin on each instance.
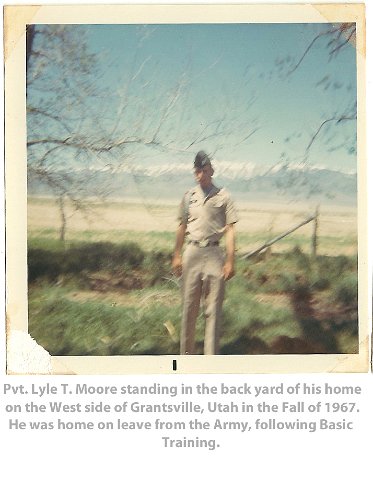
(76, 124)
(334, 39)
(337, 37)
(62, 118)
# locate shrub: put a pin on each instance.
(345, 292)
(285, 282)
(321, 284)
(83, 257)
(44, 264)
(299, 258)
(334, 267)
(158, 266)
(127, 254)
(102, 255)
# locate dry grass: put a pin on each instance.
(279, 300)
(140, 299)
(265, 220)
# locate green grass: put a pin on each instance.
(147, 241)
(154, 240)
(247, 242)
(269, 301)
(245, 316)
(345, 290)
(67, 327)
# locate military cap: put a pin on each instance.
(201, 160)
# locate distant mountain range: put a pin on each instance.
(319, 185)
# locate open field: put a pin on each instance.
(153, 225)
(109, 290)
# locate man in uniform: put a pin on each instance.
(206, 215)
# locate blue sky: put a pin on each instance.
(231, 77)
(228, 66)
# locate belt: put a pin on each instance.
(203, 243)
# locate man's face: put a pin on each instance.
(203, 175)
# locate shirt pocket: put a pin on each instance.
(216, 203)
(194, 209)
(216, 212)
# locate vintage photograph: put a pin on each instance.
(192, 188)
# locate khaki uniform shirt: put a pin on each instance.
(206, 217)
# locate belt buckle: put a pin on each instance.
(204, 243)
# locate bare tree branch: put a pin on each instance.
(348, 39)
(75, 124)
(308, 49)
(338, 31)
(337, 120)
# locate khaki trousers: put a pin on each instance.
(202, 279)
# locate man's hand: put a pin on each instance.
(177, 258)
(228, 270)
(177, 265)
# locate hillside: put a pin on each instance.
(285, 184)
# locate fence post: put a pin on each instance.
(268, 251)
(315, 232)
(279, 237)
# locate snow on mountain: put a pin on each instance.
(246, 181)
